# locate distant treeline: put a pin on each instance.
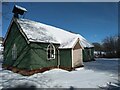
(109, 48)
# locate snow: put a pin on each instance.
(19, 7)
(1, 47)
(39, 32)
(97, 74)
(1, 51)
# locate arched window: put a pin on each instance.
(50, 52)
(14, 52)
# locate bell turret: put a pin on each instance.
(18, 10)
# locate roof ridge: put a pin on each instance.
(40, 32)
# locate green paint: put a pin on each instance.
(88, 54)
(39, 54)
(34, 55)
(14, 37)
(65, 58)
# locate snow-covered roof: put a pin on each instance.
(39, 32)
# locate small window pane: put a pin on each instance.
(48, 53)
(52, 51)
(52, 55)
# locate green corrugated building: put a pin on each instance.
(31, 47)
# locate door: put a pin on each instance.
(77, 58)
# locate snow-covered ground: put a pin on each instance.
(96, 74)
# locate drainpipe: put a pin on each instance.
(72, 58)
(58, 59)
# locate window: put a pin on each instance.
(50, 52)
(14, 52)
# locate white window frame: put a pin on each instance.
(52, 55)
(14, 52)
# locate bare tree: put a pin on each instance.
(97, 46)
(110, 45)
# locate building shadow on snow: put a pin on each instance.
(26, 86)
(103, 65)
(22, 87)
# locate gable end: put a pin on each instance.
(19, 28)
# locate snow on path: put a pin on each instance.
(78, 79)
(89, 76)
(103, 64)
